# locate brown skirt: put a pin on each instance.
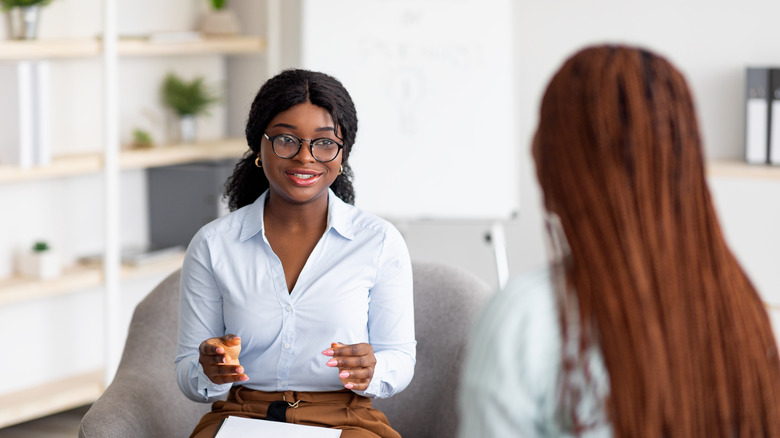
(345, 410)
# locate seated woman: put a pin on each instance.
(296, 305)
(645, 325)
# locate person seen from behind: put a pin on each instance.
(644, 324)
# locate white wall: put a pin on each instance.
(710, 41)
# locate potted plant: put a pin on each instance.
(40, 262)
(187, 99)
(23, 17)
(219, 20)
(142, 139)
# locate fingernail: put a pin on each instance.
(332, 363)
(239, 370)
(244, 377)
(349, 386)
(328, 352)
(344, 374)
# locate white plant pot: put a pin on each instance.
(23, 22)
(40, 265)
(187, 132)
(220, 22)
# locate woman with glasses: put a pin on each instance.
(296, 306)
(645, 325)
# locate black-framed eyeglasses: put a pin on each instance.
(287, 146)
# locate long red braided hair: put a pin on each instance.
(685, 337)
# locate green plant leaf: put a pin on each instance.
(9, 4)
(40, 246)
(187, 97)
(142, 137)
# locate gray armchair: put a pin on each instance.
(144, 400)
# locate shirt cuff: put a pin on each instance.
(209, 388)
(376, 387)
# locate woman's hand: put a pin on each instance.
(219, 359)
(355, 362)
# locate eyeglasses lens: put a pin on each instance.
(323, 149)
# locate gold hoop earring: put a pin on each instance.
(341, 169)
(258, 163)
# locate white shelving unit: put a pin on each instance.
(76, 390)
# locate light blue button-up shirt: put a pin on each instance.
(511, 378)
(355, 287)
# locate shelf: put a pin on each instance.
(18, 289)
(77, 278)
(109, 54)
(164, 266)
(205, 46)
(85, 164)
(742, 170)
(44, 49)
(50, 398)
(71, 165)
(92, 47)
(179, 154)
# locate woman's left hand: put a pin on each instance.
(355, 362)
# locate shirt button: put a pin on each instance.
(283, 383)
(286, 346)
(288, 308)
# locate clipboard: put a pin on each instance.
(240, 427)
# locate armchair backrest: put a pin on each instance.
(144, 399)
(446, 300)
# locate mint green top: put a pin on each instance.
(513, 365)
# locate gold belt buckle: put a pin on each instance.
(292, 405)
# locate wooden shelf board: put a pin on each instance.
(70, 165)
(742, 170)
(164, 266)
(204, 46)
(50, 398)
(17, 289)
(186, 153)
(85, 164)
(77, 278)
(46, 49)
(92, 47)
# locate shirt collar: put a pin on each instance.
(339, 217)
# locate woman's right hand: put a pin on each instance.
(219, 359)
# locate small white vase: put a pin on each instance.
(187, 132)
(42, 265)
(220, 22)
(23, 22)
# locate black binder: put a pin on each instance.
(757, 115)
(774, 116)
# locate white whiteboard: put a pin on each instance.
(432, 81)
